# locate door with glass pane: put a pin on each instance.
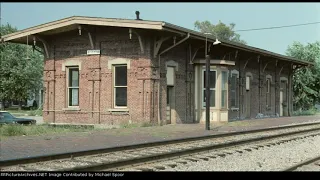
(212, 86)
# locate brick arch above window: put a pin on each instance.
(71, 62)
(250, 75)
(235, 72)
(118, 61)
(269, 77)
(172, 63)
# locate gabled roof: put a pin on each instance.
(73, 22)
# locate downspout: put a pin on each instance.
(275, 89)
(259, 61)
(289, 92)
(159, 113)
(54, 83)
(190, 90)
(239, 89)
(187, 94)
(99, 119)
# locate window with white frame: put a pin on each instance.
(234, 90)
(212, 85)
(268, 92)
(73, 86)
(224, 90)
(120, 86)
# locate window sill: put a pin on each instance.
(71, 109)
(119, 110)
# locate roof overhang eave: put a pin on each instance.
(200, 36)
(154, 25)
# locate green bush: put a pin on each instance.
(308, 112)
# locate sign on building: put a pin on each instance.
(93, 52)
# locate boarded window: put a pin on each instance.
(170, 76)
(248, 83)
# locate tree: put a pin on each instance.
(306, 80)
(221, 30)
(20, 69)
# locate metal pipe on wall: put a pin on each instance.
(143, 104)
(54, 82)
(259, 61)
(275, 89)
(159, 109)
(187, 94)
(99, 118)
(239, 88)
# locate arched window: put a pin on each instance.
(268, 91)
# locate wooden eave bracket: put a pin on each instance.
(265, 66)
(282, 68)
(195, 53)
(45, 44)
(229, 53)
(245, 65)
(140, 40)
(157, 45)
(181, 41)
(92, 43)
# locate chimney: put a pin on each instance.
(137, 15)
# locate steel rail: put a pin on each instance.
(27, 160)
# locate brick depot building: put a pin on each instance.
(119, 71)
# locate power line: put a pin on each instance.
(276, 27)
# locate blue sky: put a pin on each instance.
(244, 15)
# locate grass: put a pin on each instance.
(309, 112)
(8, 130)
(134, 125)
(27, 130)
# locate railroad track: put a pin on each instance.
(129, 156)
(312, 164)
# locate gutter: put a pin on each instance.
(200, 36)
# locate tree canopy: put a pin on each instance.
(21, 69)
(306, 80)
(221, 30)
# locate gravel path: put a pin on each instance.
(273, 158)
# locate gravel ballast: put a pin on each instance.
(273, 158)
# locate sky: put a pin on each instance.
(244, 15)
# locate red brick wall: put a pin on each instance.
(96, 97)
